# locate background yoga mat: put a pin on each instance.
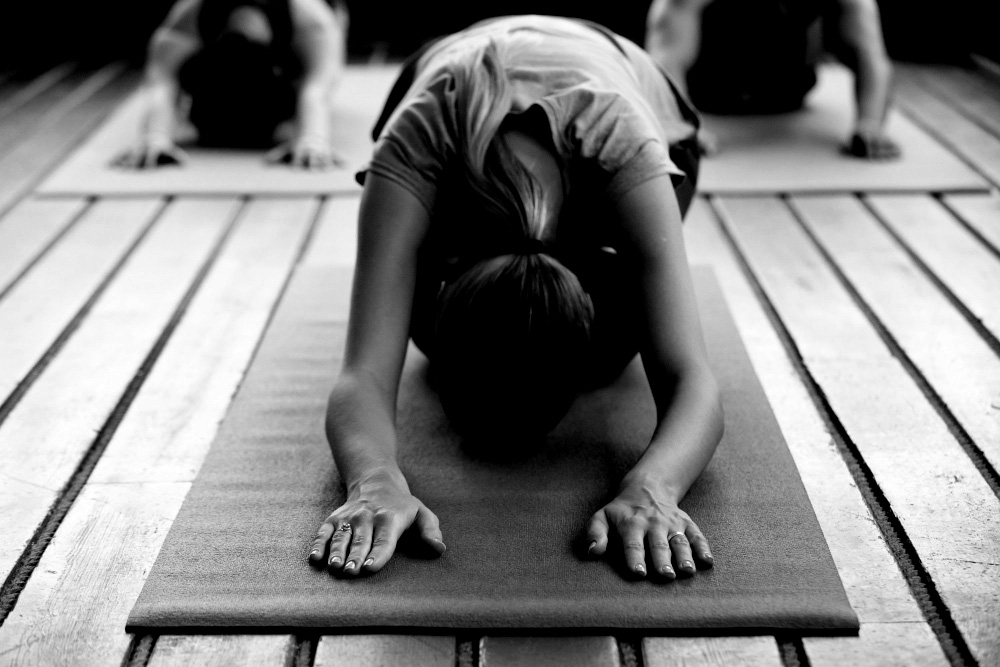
(795, 152)
(235, 557)
(357, 104)
(799, 152)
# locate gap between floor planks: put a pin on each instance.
(950, 515)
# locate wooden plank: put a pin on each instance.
(975, 145)
(14, 99)
(95, 566)
(379, 650)
(76, 394)
(336, 241)
(878, 645)
(955, 256)
(502, 651)
(965, 90)
(28, 229)
(222, 651)
(31, 159)
(710, 651)
(981, 213)
(960, 366)
(180, 405)
(871, 577)
(874, 585)
(35, 312)
(949, 513)
(45, 108)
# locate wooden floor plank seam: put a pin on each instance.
(11, 589)
(987, 243)
(965, 441)
(974, 321)
(33, 88)
(11, 400)
(922, 586)
(929, 82)
(58, 236)
(30, 162)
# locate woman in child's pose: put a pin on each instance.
(521, 220)
(246, 66)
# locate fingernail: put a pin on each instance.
(369, 562)
(350, 565)
(640, 568)
(666, 570)
(687, 565)
(709, 558)
(593, 545)
(314, 553)
(336, 560)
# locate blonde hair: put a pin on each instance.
(512, 331)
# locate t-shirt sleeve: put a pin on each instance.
(604, 127)
(416, 145)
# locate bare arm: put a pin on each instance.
(689, 413)
(320, 36)
(171, 46)
(361, 412)
(861, 47)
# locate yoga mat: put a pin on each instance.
(799, 152)
(235, 557)
(357, 103)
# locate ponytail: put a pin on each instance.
(512, 331)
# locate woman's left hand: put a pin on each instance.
(654, 531)
(306, 153)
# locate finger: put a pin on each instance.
(338, 544)
(149, 159)
(426, 523)
(597, 534)
(384, 539)
(360, 545)
(319, 544)
(659, 548)
(681, 548)
(274, 155)
(633, 534)
(699, 545)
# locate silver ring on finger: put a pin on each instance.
(674, 534)
(344, 528)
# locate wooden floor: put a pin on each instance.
(126, 325)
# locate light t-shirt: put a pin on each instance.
(606, 102)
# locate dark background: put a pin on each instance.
(35, 33)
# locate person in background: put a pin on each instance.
(759, 56)
(521, 222)
(244, 66)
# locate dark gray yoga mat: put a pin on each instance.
(235, 557)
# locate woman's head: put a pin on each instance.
(238, 97)
(511, 337)
(513, 330)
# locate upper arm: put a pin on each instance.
(391, 226)
(174, 41)
(318, 36)
(858, 29)
(652, 239)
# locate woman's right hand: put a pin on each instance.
(150, 154)
(361, 535)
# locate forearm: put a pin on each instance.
(361, 433)
(689, 428)
(861, 36)
(314, 111)
(161, 112)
